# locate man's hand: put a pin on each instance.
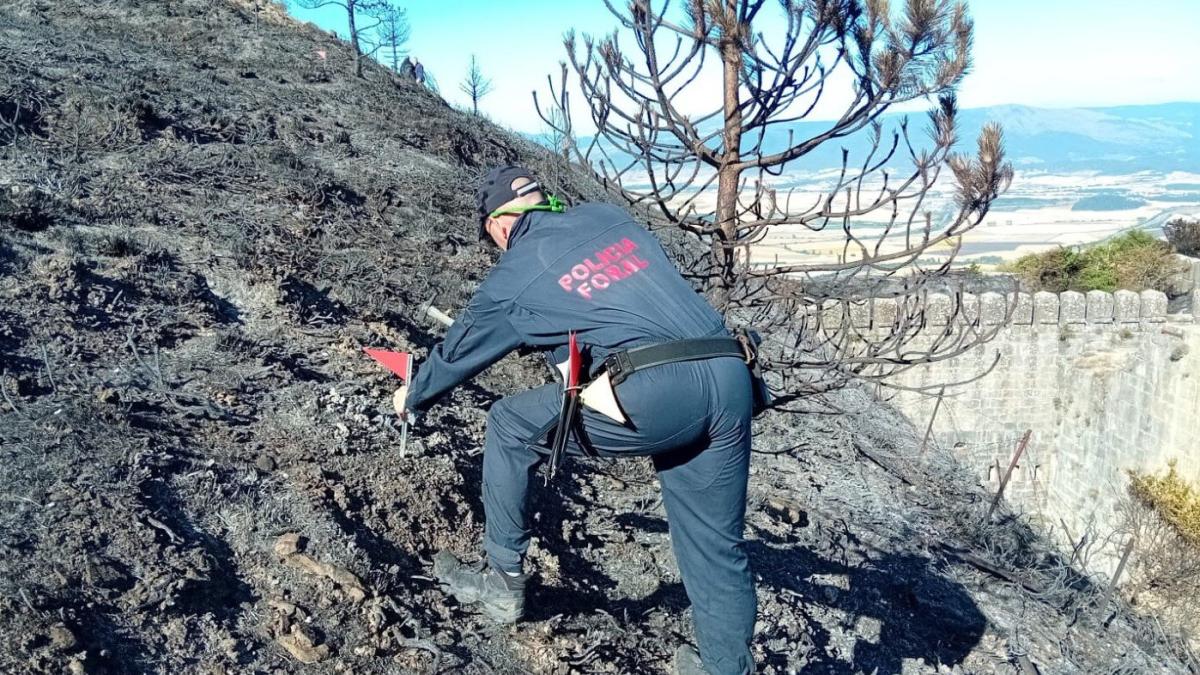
(399, 399)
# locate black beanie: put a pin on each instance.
(495, 190)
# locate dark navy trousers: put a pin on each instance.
(693, 419)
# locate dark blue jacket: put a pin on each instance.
(592, 270)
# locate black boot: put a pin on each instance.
(687, 661)
(500, 596)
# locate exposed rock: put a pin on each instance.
(288, 544)
(284, 607)
(344, 578)
(61, 638)
(302, 647)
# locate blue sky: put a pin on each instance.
(1052, 53)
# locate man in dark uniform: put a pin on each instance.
(682, 383)
(407, 70)
(418, 70)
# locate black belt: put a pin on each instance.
(622, 364)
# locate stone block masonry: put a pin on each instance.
(1107, 382)
(1041, 308)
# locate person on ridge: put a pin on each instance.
(681, 382)
(418, 70)
(407, 70)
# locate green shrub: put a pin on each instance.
(1134, 260)
(1048, 271)
(1160, 516)
(1184, 235)
(1173, 498)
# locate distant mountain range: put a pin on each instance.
(1123, 139)
(1118, 140)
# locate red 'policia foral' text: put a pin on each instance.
(606, 267)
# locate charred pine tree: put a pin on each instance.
(720, 172)
(362, 17)
(552, 135)
(393, 33)
(475, 85)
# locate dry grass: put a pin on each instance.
(1162, 515)
(1174, 499)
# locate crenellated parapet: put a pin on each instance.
(991, 308)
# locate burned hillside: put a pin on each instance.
(204, 218)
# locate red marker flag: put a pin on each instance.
(399, 363)
(574, 364)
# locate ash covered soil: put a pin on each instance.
(202, 223)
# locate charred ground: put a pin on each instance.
(201, 224)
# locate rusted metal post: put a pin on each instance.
(1008, 474)
(929, 429)
(1112, 585)
(1078, 549)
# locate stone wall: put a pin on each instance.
(1036, 309)
(1190, 278)
(1107, 382)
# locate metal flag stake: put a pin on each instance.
(404, 420)
(570, 404)
(400, 363)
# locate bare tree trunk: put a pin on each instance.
(729, 175)
(350, 10)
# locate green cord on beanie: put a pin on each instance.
(551, 204)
